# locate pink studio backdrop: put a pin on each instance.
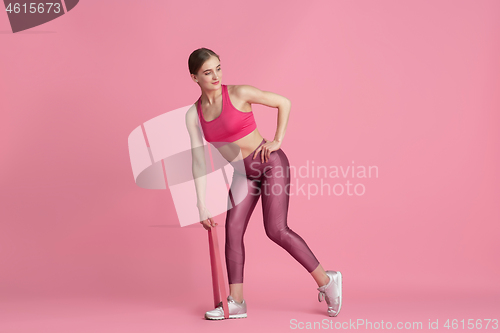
(409, 87)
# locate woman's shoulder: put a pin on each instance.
(192, 114)
(241, 90)
(192, 109)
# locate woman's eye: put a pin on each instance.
(208, 73)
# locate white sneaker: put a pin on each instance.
(236, 310)
(332, 293)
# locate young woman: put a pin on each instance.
(223, 114)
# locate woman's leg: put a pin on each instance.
(275, 190)
(319, 275)
(237, 217)
(236, 291)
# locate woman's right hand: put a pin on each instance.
(206, 217)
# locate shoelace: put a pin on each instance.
(220, 303)
(321, 296)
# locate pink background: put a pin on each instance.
(409, 86)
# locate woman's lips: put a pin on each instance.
(215, 82)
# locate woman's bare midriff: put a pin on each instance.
(249, 142)
(241, 148)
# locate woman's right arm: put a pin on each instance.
(198, 167)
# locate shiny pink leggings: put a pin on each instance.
(271, 181)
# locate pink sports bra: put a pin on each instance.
(231, 125)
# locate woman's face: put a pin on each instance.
(210, 73)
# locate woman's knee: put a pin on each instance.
(277, 235)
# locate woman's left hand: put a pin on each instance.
(266, 149)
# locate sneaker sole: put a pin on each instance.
(340, 293)
(238, 316)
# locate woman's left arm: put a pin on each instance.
(254, 95)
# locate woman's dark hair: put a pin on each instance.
(198, 58)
